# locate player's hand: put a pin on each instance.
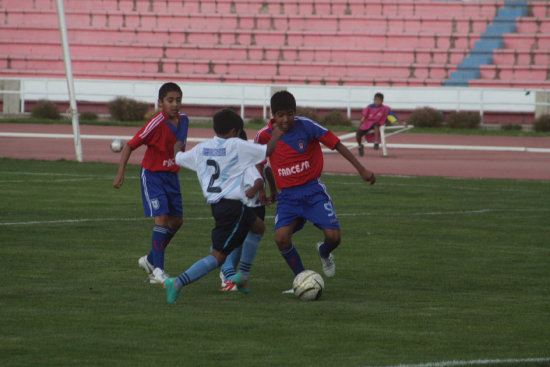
(250, 192)
(368, 176)
(178, 147)
(276, 130)
(119, 180)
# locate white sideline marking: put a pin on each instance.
(472, 362)
(82, 136)
(392, 214)
(349, 145)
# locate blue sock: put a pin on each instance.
(197, 271)
(230, 264)
(151, 256)
(250, 247)
(159, 241)
(326, 248)
(293, 259)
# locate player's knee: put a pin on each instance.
(258, 227)
(282, 242)
(333, 238)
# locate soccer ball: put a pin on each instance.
(308, 285)
(117, 145)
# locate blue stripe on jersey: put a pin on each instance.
(234, 229)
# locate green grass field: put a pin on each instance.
(429, 270)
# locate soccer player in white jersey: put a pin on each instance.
(220, 163)
(243, 256)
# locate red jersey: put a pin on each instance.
(374, 115)
(298, 158)
(159, 135)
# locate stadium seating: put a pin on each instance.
(350, 42)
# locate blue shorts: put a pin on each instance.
(309, 201)
(161, 193)
(233, 220)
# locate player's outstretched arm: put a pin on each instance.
(363, 172)
(124, 157)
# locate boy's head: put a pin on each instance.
(168, 87)
(169, 102)
(283, 109)
(226, 120)
(282, 100)
(378, 99)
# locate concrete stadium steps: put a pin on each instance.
(135, 20)
(521, 57)
(495, 83)
(236, 52)
(539, 9)
(224, 68)
(250, 37)
(276, 7)
(234, 78)
(533, 41)
(515, 72)
(326, 42)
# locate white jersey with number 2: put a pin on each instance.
(220, 164)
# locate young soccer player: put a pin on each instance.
(373, 116)
(160, 187)
(220, 163)
(251, 186)
(297, 164)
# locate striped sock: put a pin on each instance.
(250, 247)
(197, 271)
(159, 241)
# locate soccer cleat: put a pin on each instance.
(158, 276)
(228, 286)
(376, 145)
(146, 265)
(329, 267)
(361, 149)
(222, 278)
(172, 293)
(241, 283)
(288, 291)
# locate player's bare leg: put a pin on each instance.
(360, 147)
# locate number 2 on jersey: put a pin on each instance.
(214, 177)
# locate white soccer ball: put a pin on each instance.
(308, 285)
(117, 145)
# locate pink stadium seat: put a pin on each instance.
(333, 42)
(540, 9)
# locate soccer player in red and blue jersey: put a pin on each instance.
(160, 187)
(297, 164)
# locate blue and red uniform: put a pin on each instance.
(160, 186)
(297, 164)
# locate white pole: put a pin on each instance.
(70, 82)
